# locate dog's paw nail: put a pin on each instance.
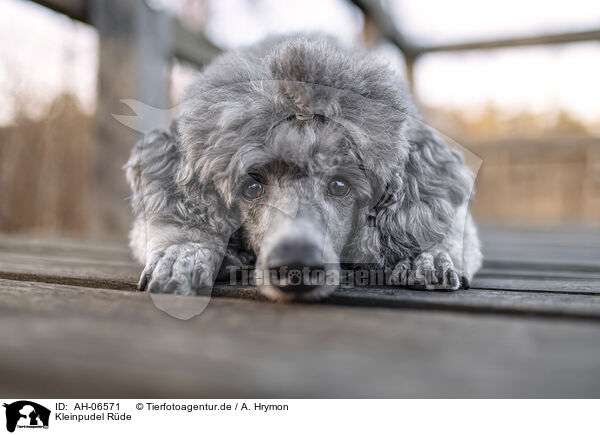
(465, 283)
(452, 279)
(196, 277)
(433, 278)
(143, 282)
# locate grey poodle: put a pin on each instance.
(305, 159)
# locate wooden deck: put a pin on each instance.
(71, 325)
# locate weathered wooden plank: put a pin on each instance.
(487, 296)
(90, 248)
(109, 264)
(565, 248)
(79, 270)
(485, 302)
(591, 286)
(543, 266)
(522, 303)
(91, 263)
(59, 341)
(522, 270)
(576, 305)
(518, 254)
(90, 266)
(557, 257)
(555, 236)
(500, 245)
(70, 270)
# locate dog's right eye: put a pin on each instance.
(338, 187)
(253, 190)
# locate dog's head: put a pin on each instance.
(302, 141)
(299, 195)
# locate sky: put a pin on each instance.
(43, 53)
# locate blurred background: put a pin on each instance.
(517, 82)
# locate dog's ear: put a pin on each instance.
(165, 188)
(438, 169)
(151, 170)
(416, 208)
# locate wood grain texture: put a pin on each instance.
(61, 341)
(529, 327)
(518, 287)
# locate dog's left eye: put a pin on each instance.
(253, 190)
(338, 187)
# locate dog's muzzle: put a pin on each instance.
(297, 260)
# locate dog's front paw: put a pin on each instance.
(184, 269)
(434, 272)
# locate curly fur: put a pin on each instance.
(299, 105)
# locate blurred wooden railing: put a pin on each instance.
(376, 13)
(137, 45)
(544, 181)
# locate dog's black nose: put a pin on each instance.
(295, 253)
(296, 279)
(296, 267)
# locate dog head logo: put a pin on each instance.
(26, 414)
